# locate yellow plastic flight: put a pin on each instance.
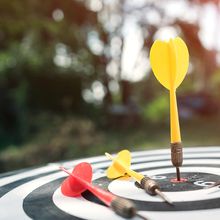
(121, 166)
(116, 170)
(169, 62)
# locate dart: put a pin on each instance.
(80, 180)
(121, 166)
(169, 62)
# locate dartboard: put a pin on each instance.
(36, 194)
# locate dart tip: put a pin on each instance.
(141, 216)
(163, 196)
(178, 173)
(213, 185)
(168, 200)
(62, 168)
(65, 170)
(109, 156)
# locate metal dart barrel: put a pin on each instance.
(177, 157)
(125, 208)
(152, 187)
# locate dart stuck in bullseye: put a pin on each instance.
(169, 62)
(80, 180)
(121, 166)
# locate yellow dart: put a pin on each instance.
(121, 166)
(169, 62)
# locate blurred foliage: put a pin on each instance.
(30, 80)
(66, 137)
(157, 110)
(65, 87)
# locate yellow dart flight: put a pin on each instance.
(121, 166)
(169, 62)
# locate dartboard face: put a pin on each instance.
(35, 193)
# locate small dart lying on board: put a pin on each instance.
(80, 180)
(169, 62)
(121, 166)
(214, 185)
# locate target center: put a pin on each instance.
(189, 181)
(182, 180)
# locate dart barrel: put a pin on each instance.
(176, 154)
(123, 207)
(149, 185)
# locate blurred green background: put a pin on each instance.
(75, 78)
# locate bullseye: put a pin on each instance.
(175, 180)
(192, 190)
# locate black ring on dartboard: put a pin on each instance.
(40, 201)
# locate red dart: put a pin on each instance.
(80, 180)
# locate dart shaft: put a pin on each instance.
(103, 195)
(174, 118)
(137, 176)
(176, 146)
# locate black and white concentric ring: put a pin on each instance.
(35, 193)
